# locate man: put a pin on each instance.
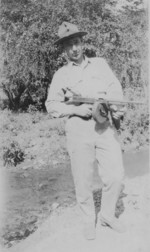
(88, 140)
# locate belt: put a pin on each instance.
(84, 118)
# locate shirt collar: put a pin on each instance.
(85, 62)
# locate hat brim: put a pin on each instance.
(60, 41)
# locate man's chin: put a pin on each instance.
(76, 58)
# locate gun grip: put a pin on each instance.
(116, 122)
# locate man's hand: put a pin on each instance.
(117, 113)
(84, 110)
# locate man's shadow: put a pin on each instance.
(97, 196)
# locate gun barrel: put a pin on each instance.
(77, 100)
(125, 102)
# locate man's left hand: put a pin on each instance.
(117, 113)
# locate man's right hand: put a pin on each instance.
(84, 110)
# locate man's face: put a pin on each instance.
(74, 49)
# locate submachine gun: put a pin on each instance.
(102, 107)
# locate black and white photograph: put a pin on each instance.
(74, 126)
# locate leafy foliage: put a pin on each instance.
(134, 132)
(29, 29)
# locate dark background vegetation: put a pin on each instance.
(29, 29)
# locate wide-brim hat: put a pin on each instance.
(67, 31)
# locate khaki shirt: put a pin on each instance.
(92, 79)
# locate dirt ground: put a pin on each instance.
(40, 212)
(61, 230)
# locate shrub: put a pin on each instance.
(135, 127)
(12, 154)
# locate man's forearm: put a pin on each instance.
(59, 109)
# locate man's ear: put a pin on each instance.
(65, 55)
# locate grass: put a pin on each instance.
(37, 136)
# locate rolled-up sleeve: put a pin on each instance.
(55, 101)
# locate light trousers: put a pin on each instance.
(87, 142)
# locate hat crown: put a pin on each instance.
(67, 29)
